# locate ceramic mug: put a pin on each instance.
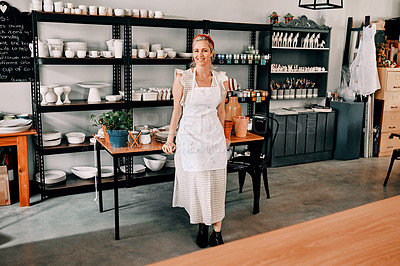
(142, 53)
(160, 54)
(152, 54)
(81, 54)
(92, 10)
(102, 10)
(134, 53)
(119, 12)
(94, 53)
(69, 53)
(135, 13)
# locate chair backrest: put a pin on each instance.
(264, 125)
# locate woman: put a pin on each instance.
(200, 160)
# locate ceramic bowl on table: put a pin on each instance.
(75, 137)
(154, 162)
(113, 98)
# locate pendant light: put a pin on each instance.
(321, 4)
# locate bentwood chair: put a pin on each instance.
(395, 156)
(246, 164)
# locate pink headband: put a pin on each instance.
(205, 36)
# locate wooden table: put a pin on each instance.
(366, 235)
(153, 147)
(20, 140)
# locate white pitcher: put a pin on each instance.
(42, 49)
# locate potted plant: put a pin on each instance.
(116, 124)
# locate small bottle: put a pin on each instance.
(221, 59)
(257, 58)
(243, 58)
(236, 58)
(263, 60)
(229, 59)
(250, 58)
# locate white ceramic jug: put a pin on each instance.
(42, 49)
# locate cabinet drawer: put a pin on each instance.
(392, 101)
(387, 145)
(393, 82)
(390, 122)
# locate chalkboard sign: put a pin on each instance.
(15, 36)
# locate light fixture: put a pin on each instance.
(320, 4)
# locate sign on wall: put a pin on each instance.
(15, 36)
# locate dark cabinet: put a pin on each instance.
(303, 138)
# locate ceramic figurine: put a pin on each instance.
(273, 18)
(280, 39)
(295, 39)
(322, 44)
(305, 41)
(316, 40)
(274, 38)
(289, 41)
(311, 41)
(288, 17)
(284, 40)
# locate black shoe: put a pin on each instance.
(202, 236)
(216, 239)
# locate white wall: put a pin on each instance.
(15, 97)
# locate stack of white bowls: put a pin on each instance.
(51, 138)
(14, 125)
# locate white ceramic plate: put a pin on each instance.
(137, 168)
(93, 84)
(185, 55)
(14, 123)
(52, 176)
(7, 130)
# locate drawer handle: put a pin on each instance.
(392, 127)
(390, 147)
(393, 107)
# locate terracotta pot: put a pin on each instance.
(241, 123)
(228, 125)
(232, 108)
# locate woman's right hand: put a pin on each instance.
(169, 147)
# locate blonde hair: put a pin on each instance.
(202, 37)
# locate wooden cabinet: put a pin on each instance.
(389, 97)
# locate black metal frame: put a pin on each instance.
(318, 6)
(127, 62)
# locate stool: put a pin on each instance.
(395, 156)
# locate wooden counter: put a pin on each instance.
(366, 235)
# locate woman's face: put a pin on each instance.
(202, 53)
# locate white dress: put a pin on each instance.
(200, 159)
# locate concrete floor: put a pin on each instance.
(69, 230)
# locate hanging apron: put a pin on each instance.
(200, 138)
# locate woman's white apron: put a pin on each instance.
(200, 138)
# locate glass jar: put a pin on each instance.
(243, 59)
(221, 59)
(236, 58)
(229, 59)
(257, 58)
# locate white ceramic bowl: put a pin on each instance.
(76, 46)
(55, 41)
(75, 137)
(154, 162)
(113, 98)
(51, 135)
(185, 55)
(84, 172)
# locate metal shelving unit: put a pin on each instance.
(126, 24)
